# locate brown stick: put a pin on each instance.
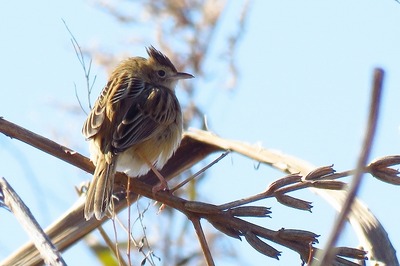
(195, 146)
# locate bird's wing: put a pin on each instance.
(122, 87)
(96, 116)
(128, 88)
(147, 115)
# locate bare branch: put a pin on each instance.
(327, 255)
(202, 239)
(86, 70)
(47, 250)
(195, 146)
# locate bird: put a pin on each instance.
(135, 125)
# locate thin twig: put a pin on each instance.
(202, 239)
(288, 187)
(86, 70)
(128, 247)
(135, 243)
(79, 100)
(327, 255)
(112, 246)
(223, 155)
(150, 254)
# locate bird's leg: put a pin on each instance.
(163, 185)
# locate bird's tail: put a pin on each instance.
(99, 194)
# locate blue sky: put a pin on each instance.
(305, 74)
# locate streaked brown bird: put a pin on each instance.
(134, 126)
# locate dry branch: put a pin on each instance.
(328, 254)
(196, 145)
(14, 203)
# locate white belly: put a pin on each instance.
(157, 151)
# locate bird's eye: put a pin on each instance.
(161, 73)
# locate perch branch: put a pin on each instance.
(196, 145)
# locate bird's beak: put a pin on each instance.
(182, 75)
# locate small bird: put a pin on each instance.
(134, 126)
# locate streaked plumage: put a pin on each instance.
(137, 116)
